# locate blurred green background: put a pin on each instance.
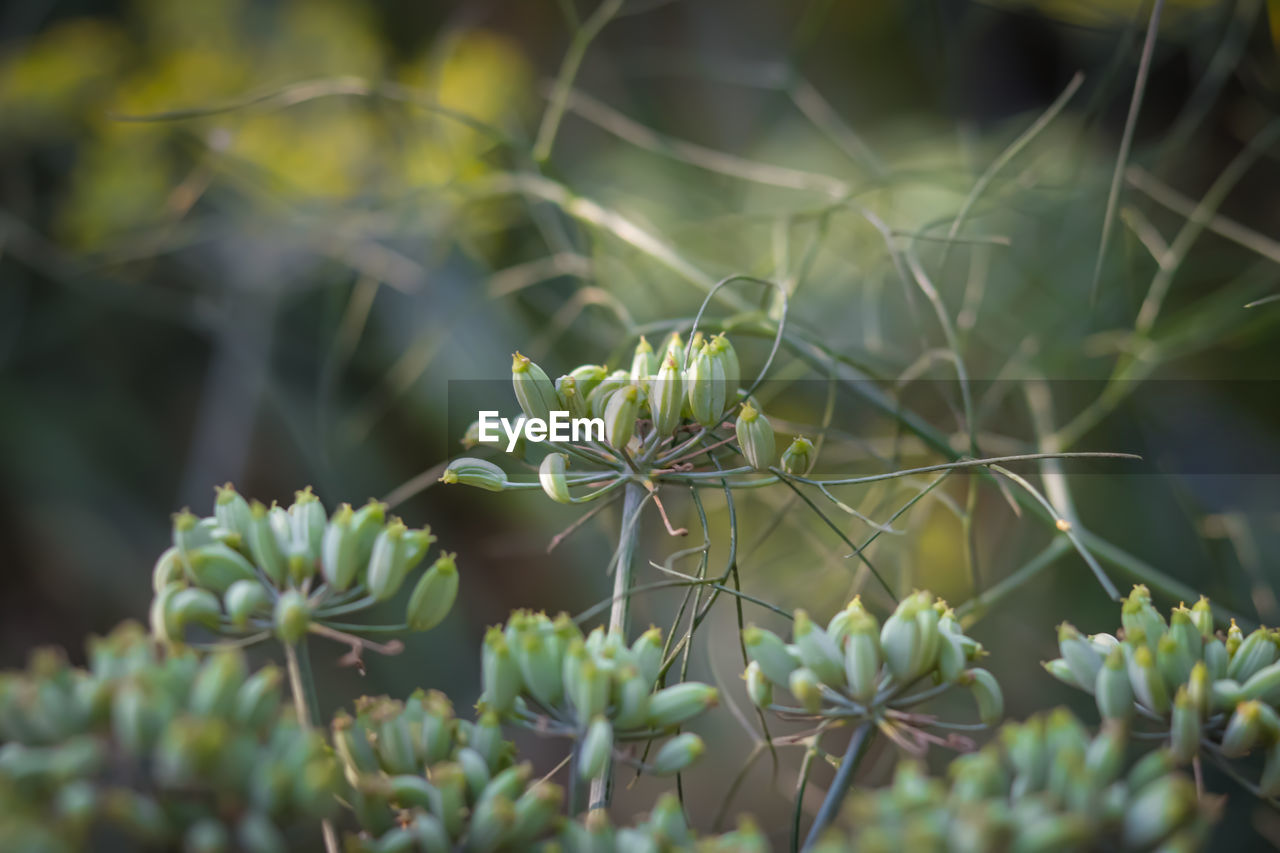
(256, 241)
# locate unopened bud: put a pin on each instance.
(434, 594)
(551, 475)
(677, 754)
(292, 616)
(755, 437)
(534, 390)
(480, 473)
(798, 458)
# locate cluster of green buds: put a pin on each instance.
(1041, 785)
(424, 780)
(857, 669)
(595, 689)
(664, 830)
(250, 570)
(664, 416)
(1217, 693)
(161, 745)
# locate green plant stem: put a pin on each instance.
(840, 785)
(619, 613)
(302, 685)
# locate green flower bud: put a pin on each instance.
(1263, 684)
(1224, 695)
(192, 606)
(338, 550)
(366, 524)
(900, 641)
(588, 692)
(486, 738)
(572, 400)
(1157, 810)
(215, 567)
(1202, 617)
(258, 699)
(862, 656)
(264, 547)
(672, 706)
(1113, 691)
(631, 702)
(759, 688)
(388, 565)
(677, 754)
(491, 821)
(535, 811)
(706, 388)
(1257, 651)
(168, 569)
(723, 351)
(232, 511)
(647, 652)
(952, 657)
(1184, 730)
(307, 520)
(1216, 657)
(587, 377)
(798, 458)
(986, 692)
(1244, 730)
(666, 397)
(136, 722)
(1060, 670)
(540, 667)
(434, 594)
(471, 437)
(598, 399)
(1083, 659)
(499, 673)
(243, 599)
(1148, 685)
(213, 694)
(551, 475)
(479, 473)
(620, 416)
(292, 616)
(804, 685)
(674, 349)
(767, 649)
(927, 632)
(534, 391)
(643, 363)
(755, 437)
(1172, 660)
(597, 746)
(1104, 757)
(1199, 688)
(817, 651)
(1138, 614)
(1183, 629)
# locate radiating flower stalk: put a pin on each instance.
(857, 672)
(158, 743)
(250, 572)
(1040, 785)
(596, 690)
(1206, 693)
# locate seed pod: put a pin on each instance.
(597, 746)
(677, 754)
(388, 564)
(755, 437)
(1184, 730)
(1257, 651)
(759, 688)
(620, 416)
(534, 391)
(803, 685)
(499, 673)
(291, 616)
(798, 458)
(817, 651)
(434, 594)
(723, 351)
(666, 396)
(1244, 729)
(643, 363)
(862, 656)
(1059, 669)
(1148, 685)
(672, 706)
(767, 649)
(1113, 691)
(263, 545)
(1202, 617)
(338, 550)
(1080, 654)
(551, 475)
(572, 400)
(706, 388)
(986, 692)
(479, 473)
(232, 511)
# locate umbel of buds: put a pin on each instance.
(545, 674)
(675, 414)
(855, 669)
(152, 742)
(1216, 692)
(1039, 785)
(254, 570)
